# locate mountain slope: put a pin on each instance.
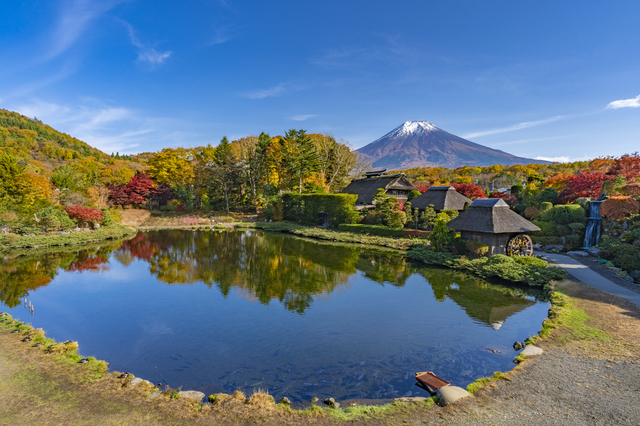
(421, 144)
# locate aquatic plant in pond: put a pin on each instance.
(220, 312)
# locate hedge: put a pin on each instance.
(304, 208)
(383, 231)
(565, 214)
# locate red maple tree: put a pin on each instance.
(84, 215)
(583, 185)
(422, 187)
(469, 190)
(508, 198)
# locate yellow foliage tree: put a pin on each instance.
(172, 166)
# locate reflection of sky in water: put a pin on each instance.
(358, 338)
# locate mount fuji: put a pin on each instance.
(421, 144)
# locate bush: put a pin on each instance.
(572, 242)
(305, 208)
(470, 247)
(547, 229)
(564, 214)
(52, 219)
(383, 231)
(545, 207)
(577, 227)
(626, 256)
(562, 230)
(618, 208)
(546, 241)
(532, 213)
(413, 194)
(583, 202)
(520, 208)
(631, 190)
(430, 257)
(442, 237)
(84, 215)
(548, 195)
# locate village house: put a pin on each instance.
(395, 185)
(442, 198)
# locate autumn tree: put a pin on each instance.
(225, 171)
(301, 155)
(172, 166)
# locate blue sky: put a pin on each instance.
(536, 79)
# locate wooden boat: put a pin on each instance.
(431, 381)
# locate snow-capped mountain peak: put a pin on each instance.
(410, 127)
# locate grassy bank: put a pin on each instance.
(329, 235)
(12, 241)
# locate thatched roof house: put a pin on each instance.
(492, 222)
(396, 185)
(442, 198)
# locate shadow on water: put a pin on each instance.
(332, 320)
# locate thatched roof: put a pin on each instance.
(442, 198)
(367, 187)
(493, 216)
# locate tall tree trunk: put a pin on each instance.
(300, 184)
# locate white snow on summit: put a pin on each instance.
(410, 127)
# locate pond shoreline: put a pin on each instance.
(76, 238)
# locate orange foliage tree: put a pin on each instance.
(618, 208)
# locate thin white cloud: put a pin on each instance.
(625, 103)
(222, 35)
(518, 126)
(146, 54)
(302, 117)
(266, 93)
(554, 159)
(74, 21)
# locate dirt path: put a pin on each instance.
(588, 375)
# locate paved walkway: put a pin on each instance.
(591, 278)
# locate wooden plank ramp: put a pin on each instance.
(430, 381)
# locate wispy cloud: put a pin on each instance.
(515, 127)
(146, 54)
(302, 117)
(266, 93)
(222, 35)
(625, 103)
(564, 159)
(106, 127)
(75, 19)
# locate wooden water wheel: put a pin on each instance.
(520, 245)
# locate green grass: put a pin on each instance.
(104, 233)
(362, 412)
(498, 375)
(329, 235)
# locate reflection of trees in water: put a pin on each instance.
(488, 303)
(266, 267)
(32, 269)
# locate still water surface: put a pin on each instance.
(220, 311)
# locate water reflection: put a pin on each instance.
(332, 320)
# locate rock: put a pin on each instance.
(576, 253)
(138, 380)
(635, 274)
(594, 252)
(450, 394)
(155, 395)
(96, 225)
(192, 394)
(537, 246)
(552, 247)
(517, 346)
(83, 361)
(26, 339)
(532, 351)
(335, 405)
(285, 401)
(410, 399)
(15, 331)
(314, 399)
(329, 401)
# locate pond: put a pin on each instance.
(220, 311)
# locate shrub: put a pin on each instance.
(52, 219)
(631, 190)
(520, 208)
(531, 213)
(564, 214)
(413, 194)
(626, 256)
(618, 208)
(577, 227)
(547, 229)
(545, 206)
(383, 231)
(305, 207)
(572, 242)
(470, 247)
(107, 219)
(430, 257)
(548, 195)
(84, 215)
(442, 237)
(546, 241)
(562, 230)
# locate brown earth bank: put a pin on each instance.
(589, 374)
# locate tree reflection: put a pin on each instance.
(25, 271)
(487, 303)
